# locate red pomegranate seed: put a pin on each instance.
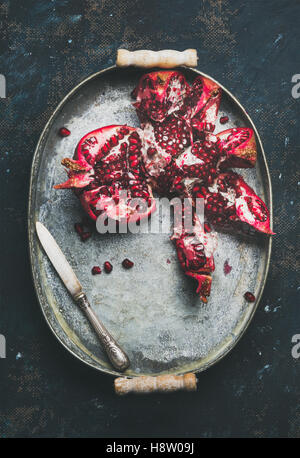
(227, 267)
(108, 267)
(85, 235)
(127, 263)
(168, 261)
(64, 132)
(249, 297)
(224, 119)
(96, 270)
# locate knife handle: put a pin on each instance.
(117, 356)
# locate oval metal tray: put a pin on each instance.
(152, 309)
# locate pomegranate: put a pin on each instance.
(107, 174)
(238, 146)
(224, 119)
(195, 252)
(174, 152)
(159, 94)
(230, 202)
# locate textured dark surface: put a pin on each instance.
(252, 48)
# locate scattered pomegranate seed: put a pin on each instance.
(85, 235)
(127, 263)
(64, 132)
(224, 119)
(227, 267)
(96, 270)
(168, 261)
(249, 297)
(108, 267)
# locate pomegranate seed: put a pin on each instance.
(64, 132)
(207, 227)
(227, 267)
(127, 263)
(96, 270)
(108, 267)
(78, 228)
(224, 119)
(249, 297)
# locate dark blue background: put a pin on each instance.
(252, 48)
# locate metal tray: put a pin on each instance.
(152, 309)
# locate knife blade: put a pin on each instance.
(117, 356)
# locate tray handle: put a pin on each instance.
(166, 58)
(162, 383)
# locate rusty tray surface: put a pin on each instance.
(152, 310)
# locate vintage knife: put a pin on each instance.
(117, 356)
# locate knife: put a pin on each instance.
(117, 356)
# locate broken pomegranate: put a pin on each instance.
(174, 153)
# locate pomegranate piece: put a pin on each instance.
(127, 263)
(107, 175)
(159, 94)
(238, 147)
(108, 267)
(224, 119)
(249, 297)
(227, 267)
(64, 132)
(96, 270)
(200, 162)
(195, 253)
(230, 202)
